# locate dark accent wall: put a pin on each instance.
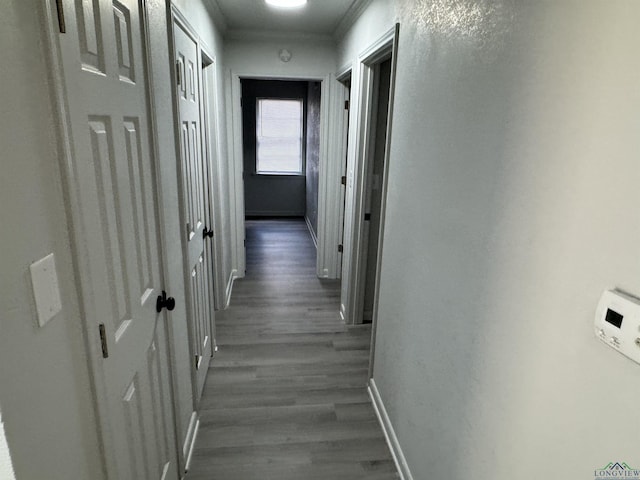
(269, 195)
(313, 153)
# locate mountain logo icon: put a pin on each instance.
(617, 470)
(617, 467)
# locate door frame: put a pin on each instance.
(343, 76)
(81, 249)
(353, 272)
(207, 118)
(327, 226)
(211, 147)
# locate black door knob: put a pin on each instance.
(207, 233)
(165, 302)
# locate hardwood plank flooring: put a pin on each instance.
(286, 395)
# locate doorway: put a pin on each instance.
(274, 147)
(373, 188)
(281, 149)
(370, 134)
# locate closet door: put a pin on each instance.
(113, 192)
(195, 205)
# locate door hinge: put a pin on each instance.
(340, 248)
(196, 363)
(343, 180)
(178, 74)
(103, 341)
(346, 104)
(61, 23)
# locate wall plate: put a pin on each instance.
(46, 292)
(617, 323)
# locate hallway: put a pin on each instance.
(286, 394)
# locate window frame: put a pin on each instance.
(303, 136)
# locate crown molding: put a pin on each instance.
(275, 35)
(354, 12)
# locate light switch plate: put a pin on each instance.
(45, 288)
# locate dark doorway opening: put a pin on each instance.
(281, 148)
(374, 182)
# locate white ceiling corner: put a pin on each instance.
(319, 19)
(350, 17)
(217, 15)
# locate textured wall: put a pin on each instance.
(513, 184)
(45, 390)
(313, 153)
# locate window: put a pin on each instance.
(279, 136)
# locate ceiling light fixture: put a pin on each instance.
(286, 3)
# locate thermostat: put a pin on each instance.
(617, 323)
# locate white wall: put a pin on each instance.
(45, 389)
(513, 182)
(311, 58)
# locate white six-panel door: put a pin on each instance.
(195, 205)
(112, 186)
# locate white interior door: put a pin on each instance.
(112, 186)
(195, 208)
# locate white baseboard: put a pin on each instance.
(389, 433)
(232, 276)
(190, 440)
(273, 213)
(313, 234)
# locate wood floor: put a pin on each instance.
(286, 393)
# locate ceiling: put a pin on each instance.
(318, 17)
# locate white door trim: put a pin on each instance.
(210, 145)
(328, 190)
(344, 75)
(174, 17)
(354, 250)
(383, 205)
(234, 112)
(330, 203)
(211, 135)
